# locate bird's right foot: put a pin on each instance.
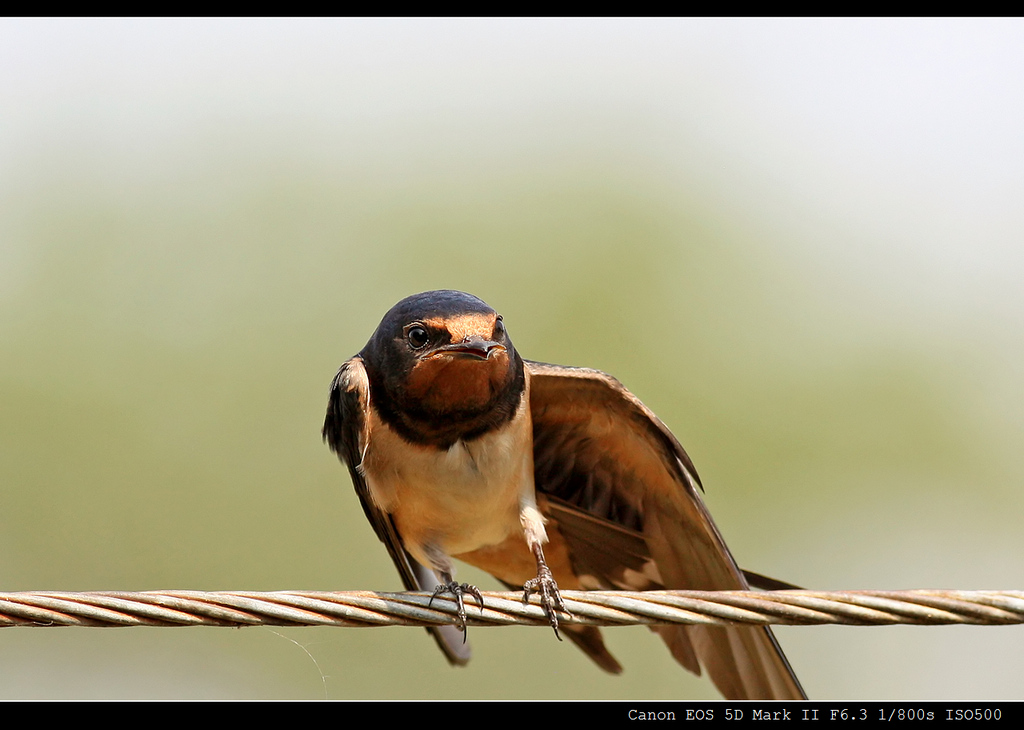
(459, 590)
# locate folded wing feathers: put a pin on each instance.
(345, 432)
(626, 497)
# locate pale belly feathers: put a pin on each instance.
(455, 501)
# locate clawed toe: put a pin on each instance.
(550, 598)
(459, 590)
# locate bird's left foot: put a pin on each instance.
(544, 585)
(459, 591)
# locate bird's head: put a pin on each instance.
(443, 355)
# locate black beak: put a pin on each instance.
(473, 347)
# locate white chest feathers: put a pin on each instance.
(455, 500)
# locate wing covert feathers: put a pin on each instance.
(626, 500)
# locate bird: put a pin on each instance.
(545, 476)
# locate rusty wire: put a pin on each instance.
(596, 608)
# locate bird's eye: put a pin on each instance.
(499, 327)
(418, 337)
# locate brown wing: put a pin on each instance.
(345, 432)
(625, 498)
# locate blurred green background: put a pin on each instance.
(799, 242)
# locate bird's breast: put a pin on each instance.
(457, 499)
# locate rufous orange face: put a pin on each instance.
(465, 326)
(466, 373)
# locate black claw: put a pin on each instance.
(475, 592)
(459, 591)
(550, 598)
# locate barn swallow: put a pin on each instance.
(543, 476)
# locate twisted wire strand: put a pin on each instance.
(595, 608)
